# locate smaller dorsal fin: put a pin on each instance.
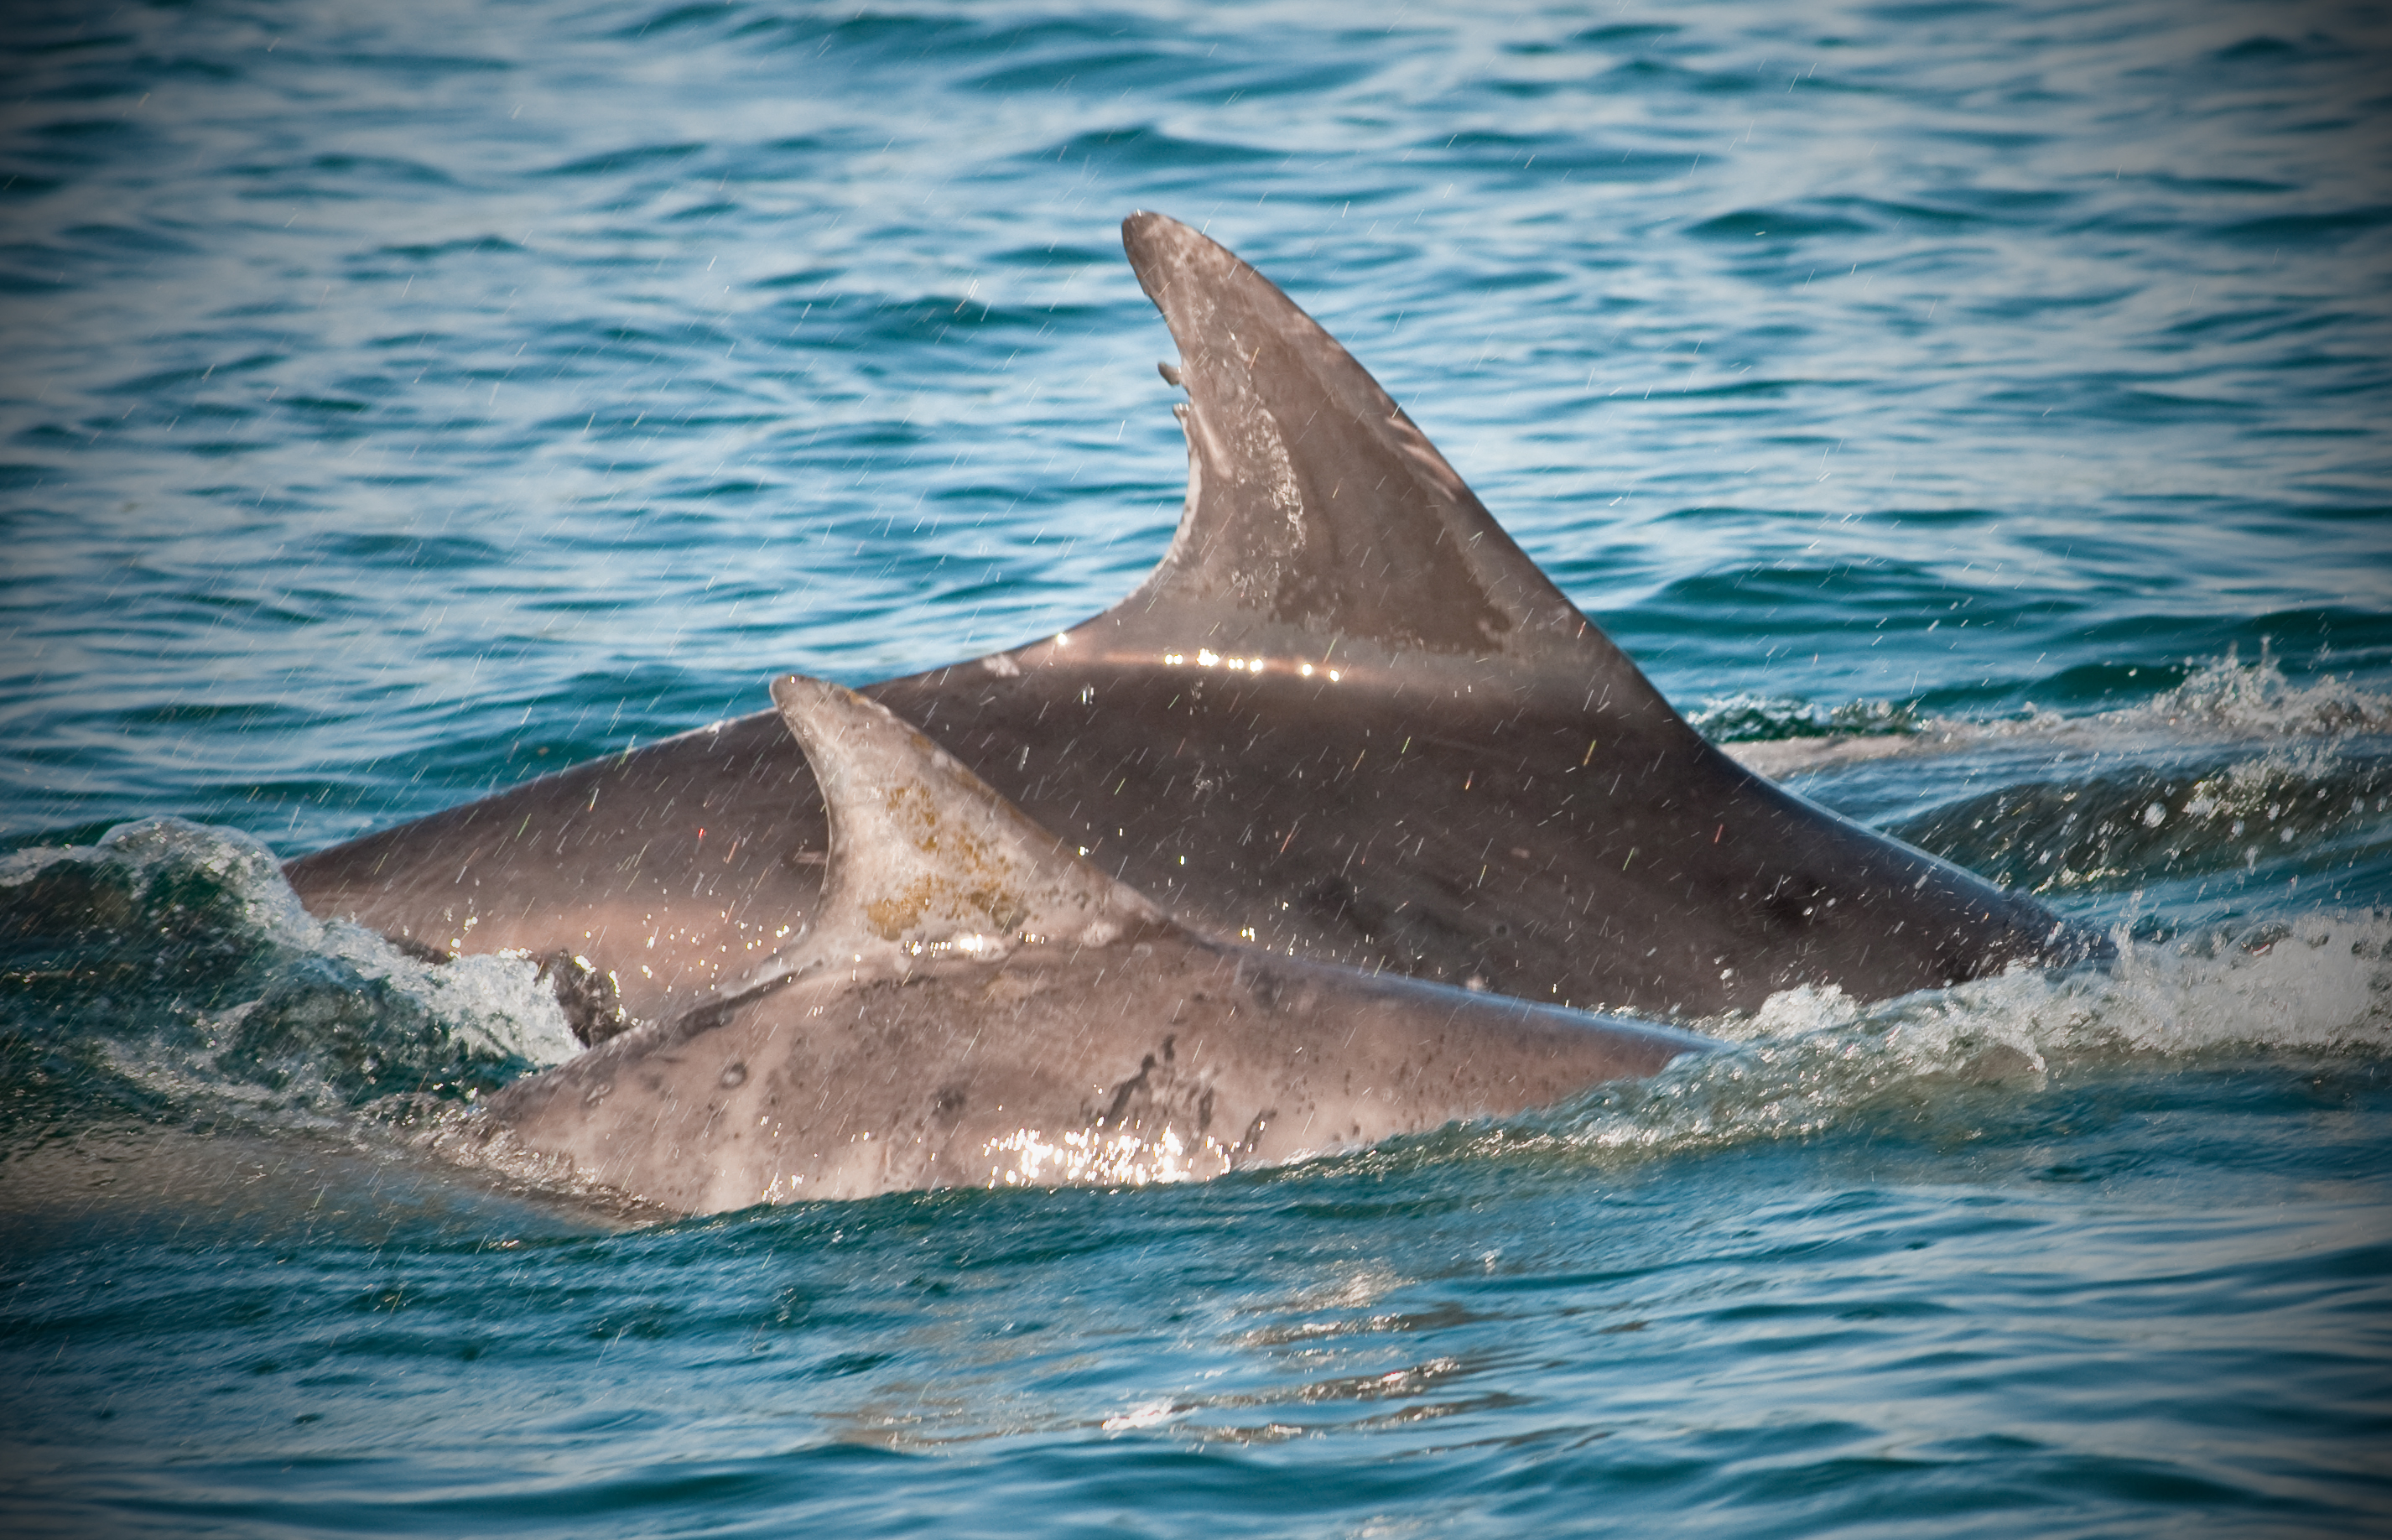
(925, 860)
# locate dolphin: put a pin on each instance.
(1344, 719)
(974, 1003)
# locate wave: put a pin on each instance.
(1812, 1059)
(2235, 773)
(2223, 702)
(169, 972)
(2317, 805)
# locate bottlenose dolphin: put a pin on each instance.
(976, 1004)
(1344, 719)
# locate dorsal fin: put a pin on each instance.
(925, 860)
(1316, 511)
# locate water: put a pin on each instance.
(1973, 412)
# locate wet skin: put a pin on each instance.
(1345, 717)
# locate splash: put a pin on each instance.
(1811, 1060)
(170, 966)
(2231, 698)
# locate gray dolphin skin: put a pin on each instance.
(977, 1005)
(1345, 719)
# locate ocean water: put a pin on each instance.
(1973, 413)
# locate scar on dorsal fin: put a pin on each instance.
(1317, 512)
(926, 860)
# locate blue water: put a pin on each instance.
(1974, 414)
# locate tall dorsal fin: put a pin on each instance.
(926, 860)
(1316, 510)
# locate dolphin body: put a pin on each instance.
(976, 1004)
(1345, 719)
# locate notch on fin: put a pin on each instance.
(926, 860)
(1316, 511)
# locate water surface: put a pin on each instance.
(1971, 413)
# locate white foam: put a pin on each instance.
(2257, 700)
(497, 1004)
(2317, 982)
(1810, 1058)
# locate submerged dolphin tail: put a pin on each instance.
(925, 860)
(1315, 509)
